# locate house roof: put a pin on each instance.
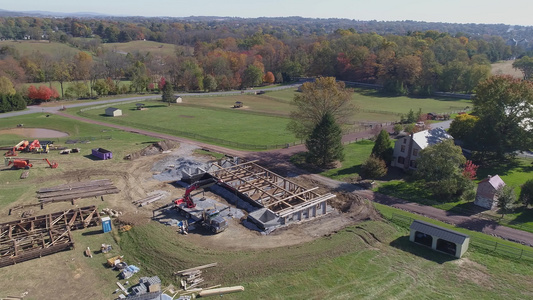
(495, 181)
(430, 137)
(112, 108)
(439, 232)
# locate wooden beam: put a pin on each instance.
(196, 268)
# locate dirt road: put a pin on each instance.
(279, 160)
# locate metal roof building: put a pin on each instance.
(439, 238)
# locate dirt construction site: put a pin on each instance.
(260, 209)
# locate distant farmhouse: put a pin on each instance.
(407, 149)
(486, 192)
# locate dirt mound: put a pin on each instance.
(153, 149)
(355, 206)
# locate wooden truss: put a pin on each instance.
(264, 187)
(34, 237)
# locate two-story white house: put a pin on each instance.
(407, 149)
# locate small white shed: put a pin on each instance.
(112, 111)
(178, 99)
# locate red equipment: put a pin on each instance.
(11, 152)
(187, 199)
(52, 165)
(20, 163)
(22, 145)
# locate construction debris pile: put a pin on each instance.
(30, 238)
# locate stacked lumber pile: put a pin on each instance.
(148, 200)
(78, 190)
(192, 277)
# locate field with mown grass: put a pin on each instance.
(375, 106)
(201, 123)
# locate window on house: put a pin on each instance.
(412, 163)
(402, 149)
(401, 159)
(405, 141)
(415, 152)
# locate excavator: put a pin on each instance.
(209, 218)
(21, 163)
(187, 198)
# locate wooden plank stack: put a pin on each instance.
(191, 278)
(78, 190)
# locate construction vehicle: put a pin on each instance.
(209, 218)
(22, 145)
(22, 163)
(33, 146)
(19, 163)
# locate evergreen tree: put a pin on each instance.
(324, 145)
(374, 167)
(382, 147)
(168, 93)
(526, 194)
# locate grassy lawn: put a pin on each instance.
(354, 155)
(340, 266)
(254, 103)
(200, 123)
(514, 173)
(378, 107)
(28, 47)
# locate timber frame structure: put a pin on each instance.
(38, 236)
(279, 200)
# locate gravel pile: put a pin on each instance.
(172, 166)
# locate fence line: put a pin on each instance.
(487, 245)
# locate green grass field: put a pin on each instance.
(350, 264)
(378, 107)
(202, 123)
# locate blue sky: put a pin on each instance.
(514, 12)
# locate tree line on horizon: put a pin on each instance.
(229, 55)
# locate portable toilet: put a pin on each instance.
(106, 224)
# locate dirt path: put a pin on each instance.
(278, 160)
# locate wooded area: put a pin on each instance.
(407, 58)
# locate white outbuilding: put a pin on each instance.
(113, 112)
